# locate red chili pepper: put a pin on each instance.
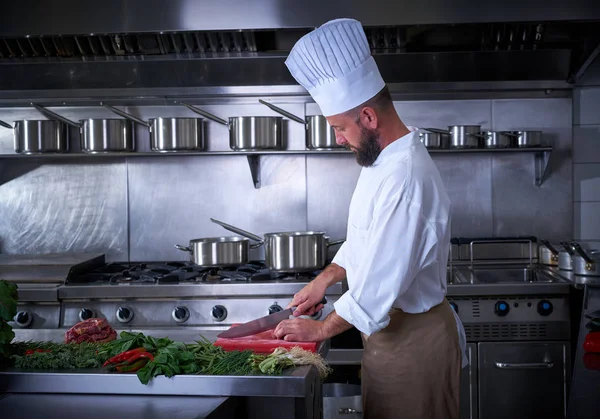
(133, 367)
(29, 352)
(124, 356)
(592, 342)
(135, 357)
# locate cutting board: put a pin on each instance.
(263, 343)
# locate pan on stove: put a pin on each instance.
(213, 252)
(291, 251)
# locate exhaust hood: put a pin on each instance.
(159, 44)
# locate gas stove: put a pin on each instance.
(180, 272)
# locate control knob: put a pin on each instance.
(219, 313)
(275, 308)
(85, 314)
(544, 307)
(124, 314)
(501, 308)
(180, 314)
(23, 318)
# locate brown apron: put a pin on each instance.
(411, 369)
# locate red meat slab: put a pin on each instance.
(263, 343)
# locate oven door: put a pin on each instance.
(523, 379)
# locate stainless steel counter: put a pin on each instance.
(52, 406)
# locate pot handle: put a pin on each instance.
(567, 247)
(126, 115)
(437, 130)
(334, 242)
(183, 248)
(238, 231)
(205, 114)
(283, 112)
(549, 246)
(577, 248)
(53, 115)
(6, 125)
(509, 133)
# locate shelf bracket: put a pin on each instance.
(254, 163)
(542, 164)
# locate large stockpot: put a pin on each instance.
(585, 263)
(170, 135)
(319, 134)
(39, 136)
(462, 136)
(248, 133)
(292, 251)
(99, 135)
(218, 251)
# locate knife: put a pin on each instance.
(261, 324)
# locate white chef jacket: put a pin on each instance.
(398, 239)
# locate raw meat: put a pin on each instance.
(91, 330)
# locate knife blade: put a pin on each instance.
(261, 324)
(256, 326)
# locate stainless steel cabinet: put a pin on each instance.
(468, 385)
(523, 379)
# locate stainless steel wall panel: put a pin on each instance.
(441, 113)
(468, 181)
(330, 182)
(172, 198)
(64, 207)
(519, 205)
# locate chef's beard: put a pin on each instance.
(369, 148)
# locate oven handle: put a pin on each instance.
(526, 365)
(348, 411)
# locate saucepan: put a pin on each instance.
(218, 251)
(99, 135)
(169, 135)
(462, 136)
(39, 136)
(292, 251)
(527, 138)
(547, 254)
(319, 134)
(434, 139)
(565, 257)
(585, 263)
(497, 139)
(247, 133)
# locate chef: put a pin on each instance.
(397, 241)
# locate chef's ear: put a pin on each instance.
(368, 117)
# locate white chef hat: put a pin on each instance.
(335, 65)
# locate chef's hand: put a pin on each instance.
(308, 299)
(300, 330)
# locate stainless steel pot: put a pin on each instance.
(319, 134)
(248, 133)
(435, 140)
(547, 254)
(39, 136)
(585, 263)
(527, 138)
(565, 257)
(292, 251)
(497, 139)
(218, 251)
(462, 136)
(170, 135)
(99, 135)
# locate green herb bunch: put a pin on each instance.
(8, 310)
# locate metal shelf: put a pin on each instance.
(541, 156)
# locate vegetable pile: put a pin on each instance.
(8, 310)
(149, 357)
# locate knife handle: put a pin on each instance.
(323, 301)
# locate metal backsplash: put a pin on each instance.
(139, 207)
